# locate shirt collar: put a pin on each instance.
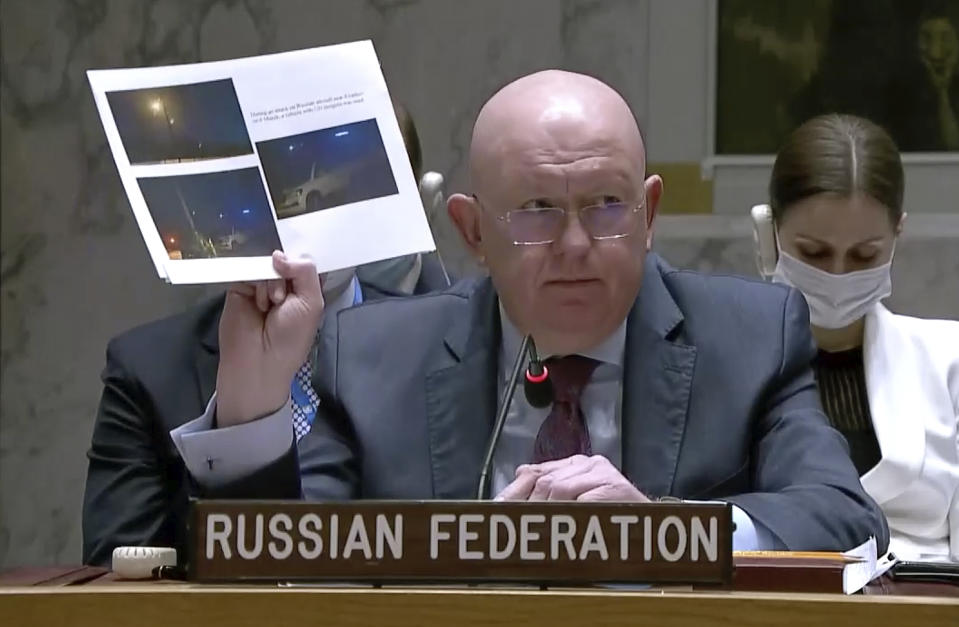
(609, 351)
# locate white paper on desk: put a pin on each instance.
(856, 575)
(224, 162)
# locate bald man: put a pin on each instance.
(668, 383)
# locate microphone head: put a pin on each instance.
(538, 388)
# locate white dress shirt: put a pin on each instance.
(219, 456)
(601, 403)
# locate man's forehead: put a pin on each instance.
(516, 182)
(540, 160)
(561, 106)
(554, 118)
(599, 158)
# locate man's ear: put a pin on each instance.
(654, 193)
(464, 213)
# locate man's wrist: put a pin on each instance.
(231, 414)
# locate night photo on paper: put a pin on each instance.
(326, 168)
(180, 123)
(218, 214)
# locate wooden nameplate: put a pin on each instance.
(461, 541)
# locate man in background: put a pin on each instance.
(161, 374)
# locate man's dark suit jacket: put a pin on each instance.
(157, 377)
(719, 402)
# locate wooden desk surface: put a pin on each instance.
(166, 604)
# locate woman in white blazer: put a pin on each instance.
(889, 383)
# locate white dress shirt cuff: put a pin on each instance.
(216, 457)
(751, 535)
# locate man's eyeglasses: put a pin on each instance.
(545, 225)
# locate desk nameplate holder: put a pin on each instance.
(460, 541)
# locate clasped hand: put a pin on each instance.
(576, 478)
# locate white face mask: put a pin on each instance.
(835, 300)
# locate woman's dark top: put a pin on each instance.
(842, 388)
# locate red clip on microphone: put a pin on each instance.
(536, 385)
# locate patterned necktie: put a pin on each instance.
(303, 400)
(564, 431)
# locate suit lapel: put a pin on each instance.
(461, 397)
(896, 407)
(657, 380)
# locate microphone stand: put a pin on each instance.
(501, 418)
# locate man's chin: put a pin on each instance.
(566, 335)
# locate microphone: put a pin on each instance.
(536, 384)
(539, 393)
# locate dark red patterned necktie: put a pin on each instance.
(564, 431)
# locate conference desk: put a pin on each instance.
(161, 604)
